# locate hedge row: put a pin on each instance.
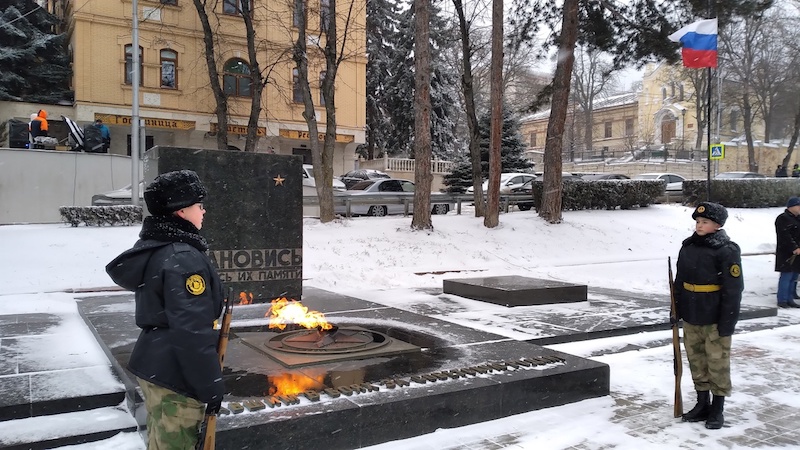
(99, 216)
(604, 194)
(743, 193)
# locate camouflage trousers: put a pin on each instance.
(173, 420)
(709, 358)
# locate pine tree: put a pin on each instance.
(382, 24)
(511, 159)
(396, 101)
(34, 61)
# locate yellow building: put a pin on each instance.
(659, 121)
(176, 101)
(614, 129)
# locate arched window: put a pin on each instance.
(169, 65)
(236, 78)
(129, 65)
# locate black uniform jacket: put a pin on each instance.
(712, 259)
(178, 297)
(787, 232)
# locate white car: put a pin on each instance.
(309, 182)
(508, 182)
(121, 196)
(390, 187)
(674, 182)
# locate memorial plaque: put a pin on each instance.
(254, 218)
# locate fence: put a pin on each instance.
(387, 164)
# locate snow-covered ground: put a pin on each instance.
(380, 257)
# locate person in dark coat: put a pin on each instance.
(781, 172)
(708, 293)
(178, 297)
(787, 249)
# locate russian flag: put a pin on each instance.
(699, 43)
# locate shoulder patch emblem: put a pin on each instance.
(196, 285)
(736, 271)
(701, 209)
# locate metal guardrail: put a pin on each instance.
(407, 200)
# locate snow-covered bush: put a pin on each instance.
(743, 193)
(99, 216)
(604, 194)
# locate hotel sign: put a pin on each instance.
(169, 124)
(304, 136)
(239, 129)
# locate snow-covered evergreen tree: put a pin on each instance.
(34, 61)
(382, 25)
(393, 75)
(511, 148)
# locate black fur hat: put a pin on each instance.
(172, 191)
(711, 211)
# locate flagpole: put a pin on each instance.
(708, 135)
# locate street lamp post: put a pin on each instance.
(683, 130)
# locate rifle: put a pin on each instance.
(208, 428)
(677, 363)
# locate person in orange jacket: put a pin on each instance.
(38, 125)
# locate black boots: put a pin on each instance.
(701, 409)
(715, 417)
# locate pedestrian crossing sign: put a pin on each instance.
(716, 151)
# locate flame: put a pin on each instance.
(293, 383)
(285, 312)
(244, 300)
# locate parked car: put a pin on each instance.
(565, 176)
(309, 182)
(121, 196)
(735, 175)
(358, 175)
(384, 186)
(606, 176)
(674, 182)
(527, 189)
(508, 181)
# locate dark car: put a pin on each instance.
(355, 176)
(527, 189)
(738, 175)
(606, 176)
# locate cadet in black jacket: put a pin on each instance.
(178, 297)
(708, 293)
(787, 263)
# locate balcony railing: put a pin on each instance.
(404, 165)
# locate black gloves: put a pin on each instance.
(212, 409)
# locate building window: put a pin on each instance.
(322, 76)
(236, 78)
(681, 92)
(235, 6)
(169, 65)
(607, 126)
(299, 13)
(169, 2)
(324, 13)
(129, 65)
(533, 139)
(663, 93)
(628, 127)
(297, 90)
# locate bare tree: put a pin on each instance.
(468, 91)
(551, 191)
(422, 117)
(334, 51)
(739, 43)
(221, 99)
(492, 216)
(256, 79)
(592, 76)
